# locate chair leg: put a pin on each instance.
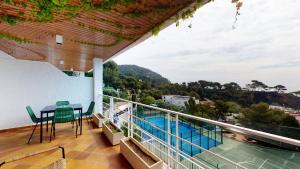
(76, 128)
(87, 119)
(32, 133)
(54, 129)
(51, 131)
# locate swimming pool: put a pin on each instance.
(197, 135)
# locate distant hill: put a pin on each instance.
(143, 74)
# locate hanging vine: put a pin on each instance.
(238, 5)
(16, 39)
(54, 10)
(116, 41)
(189, 13)
(47, 10)
(106, 32)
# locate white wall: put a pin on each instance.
(36, 84)
(4, 55)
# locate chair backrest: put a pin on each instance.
(63, 115)
(31, 114)
(91, 108)
(62, 103)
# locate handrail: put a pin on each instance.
(226, 125)
(194, 145)
(178, 138)
(182, 154)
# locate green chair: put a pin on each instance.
(88, 113)
(62, 103)
(35, 120)
(63, 115)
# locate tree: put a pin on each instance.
(148, 100)
(290, 121)
(160, 103)
(257, 85)
(111, 76)
(250, 87)
(131, 83)
(191, 106)
(221, 109)
(232, 86)
(110, 91)
(206, 111)
(233, 107)
(280, 88)
(261, 115)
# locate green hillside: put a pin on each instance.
(143, 74)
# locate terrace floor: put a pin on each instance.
(91, 150)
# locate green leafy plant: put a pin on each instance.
(21, 13)
(155, 30)
(10, 37)
(112, 127)
(89, 74)
(12, 20)
(60, 2)
(117, 40)
(11, 2)
(124, 128)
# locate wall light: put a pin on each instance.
(59, 39)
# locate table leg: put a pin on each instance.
(41, 128)
(47, 122)
(80, 121)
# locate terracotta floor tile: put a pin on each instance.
(89, 151)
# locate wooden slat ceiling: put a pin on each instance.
(91, 33)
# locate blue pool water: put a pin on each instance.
(186, 131)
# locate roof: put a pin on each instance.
(177, 96)
(90, 28)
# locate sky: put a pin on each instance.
(264, 46)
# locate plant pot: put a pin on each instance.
(115, 135)
(98, 119)
(138, 156)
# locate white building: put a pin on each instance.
(177, 100)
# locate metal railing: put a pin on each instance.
(166, 149)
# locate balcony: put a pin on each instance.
(180, 140)
(36, 46)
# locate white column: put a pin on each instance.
(98, 84)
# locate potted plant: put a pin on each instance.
(138, 156)
(112, 132)
(98, 119)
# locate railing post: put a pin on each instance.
(131, 119)
(111, 108)
(169, 139)
(128, 120)
(177, 135)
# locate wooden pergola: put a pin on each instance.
(90, 28)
